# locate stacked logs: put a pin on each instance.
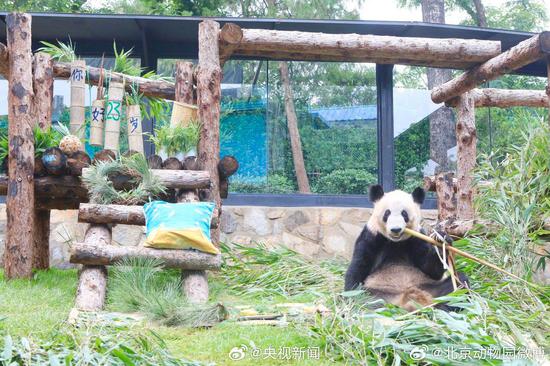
(56, 162)
(227, 166)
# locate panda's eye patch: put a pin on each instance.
(386, 215)
(405, 215)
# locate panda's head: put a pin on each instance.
(394, 211)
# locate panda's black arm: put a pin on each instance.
(364, 255)
(424, 256)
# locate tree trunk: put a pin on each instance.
(446, 198)
(466, 140)
(442, 137)
(92, 280)
(503, 98)
(480, 11)
(194, 283)
(43, 99)
(293, 132)
(209, 77)
(18, 254)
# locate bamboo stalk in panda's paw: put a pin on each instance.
(465, 254)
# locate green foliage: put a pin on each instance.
(117, 345)
(124, 63)
(516, 199)
(101, 189)
(345, 181)
(275, 183)
(179, 139)
(412, 150)
(330, 149)
(262, 271)
(60, 52)
(38, 6)
(42, 141)
(354, 333)
(143, 285)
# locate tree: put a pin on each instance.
(442, 137)
(53, 6)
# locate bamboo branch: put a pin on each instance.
(464, 254)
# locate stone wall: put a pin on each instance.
(316, 232)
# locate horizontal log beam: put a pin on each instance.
(170, 258)
(62, 70)
(309, 46)
(185, 179)
(505, 98)
(520, 55)
(53, 187)
(148, 87)
(111, 214)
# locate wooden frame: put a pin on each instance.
(217, 45)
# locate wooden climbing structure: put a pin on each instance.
(30, 78)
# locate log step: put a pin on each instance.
(93, 213)
(90, 254)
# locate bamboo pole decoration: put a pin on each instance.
(97, 124)
(113, 115)
(78, 94)
(182, 114)
(135, 132)
(464, 254)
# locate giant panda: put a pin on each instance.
(392, 265)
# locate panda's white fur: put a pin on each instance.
(395, 201)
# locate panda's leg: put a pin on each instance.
(444, 288)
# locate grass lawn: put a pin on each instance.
(38, 308)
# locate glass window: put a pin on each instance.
(334, 109)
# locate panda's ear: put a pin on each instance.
(376, 192)
(418, 195)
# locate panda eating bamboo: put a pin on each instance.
(392, 265)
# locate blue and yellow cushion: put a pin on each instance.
(179, 225)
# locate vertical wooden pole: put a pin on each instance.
(209, 77)
(18, 255)
(92, 280)
(466, 138)
(43, 99)
(446, 198)
(194, 283)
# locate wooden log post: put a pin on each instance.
(516, 57)
(92, 280)
(293, 45)
(43, 99)
(18, 254)
(209, 76)
(446, 198)
(466, 138)
(194, 282)
(548, 86)
(227, 166)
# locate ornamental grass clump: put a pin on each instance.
(143, 285)
(101, 189)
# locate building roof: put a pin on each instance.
(329, 115)
(176, 37)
